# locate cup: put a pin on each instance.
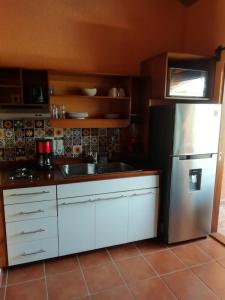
(121, 92)
(112, 92)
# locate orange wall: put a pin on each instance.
(86, 35)
(205, 26)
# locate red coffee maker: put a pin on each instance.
(45, 153)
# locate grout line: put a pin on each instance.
(46, 284)
(6, 284)
(120, 274)
(83, 276)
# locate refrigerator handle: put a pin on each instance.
(195, 156)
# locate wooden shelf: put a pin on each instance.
(90, 123)
(10, 86)
(93, 97)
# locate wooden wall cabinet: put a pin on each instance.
(66, 89)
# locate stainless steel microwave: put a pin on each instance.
(187, 83)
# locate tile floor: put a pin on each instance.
(144, 270)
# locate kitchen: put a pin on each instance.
(76, 51)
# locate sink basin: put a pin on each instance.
(73, 170)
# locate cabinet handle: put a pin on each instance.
(111, 198)
(71, 203)
(32, 253)
(30, 212)
(141, 194)
(29, 194)
(30, 232)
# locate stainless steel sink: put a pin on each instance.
(73, 170)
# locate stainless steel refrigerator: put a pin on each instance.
(183, 142)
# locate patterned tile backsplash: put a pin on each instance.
(17, 139)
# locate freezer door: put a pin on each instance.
(196, 128)
(191, 197)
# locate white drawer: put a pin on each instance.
(26, 231)
(32, 251)
(26, 211)
(22, 195)
(107, 186)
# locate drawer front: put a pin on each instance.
(32, 251)
(27, 211)
(26, 231)
(107, 186)
(29, 194)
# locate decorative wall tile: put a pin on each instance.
(77, 150)
(29, 132)
(94, 131)
(2, 134)
(77, 140)
(39, 124)
(58, 132)
(19, 133)
(18, 139)
(18, 123)
(86, 131)
(86, 140)
(77, 132)
(39, 133)
(7, 124)
(28, 123)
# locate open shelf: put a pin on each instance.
(69, 96)
(89, 123)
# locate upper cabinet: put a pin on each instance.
(179, 76)
(23, 87)
(105, 100)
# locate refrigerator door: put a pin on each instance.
(191, 196)
(196, 128)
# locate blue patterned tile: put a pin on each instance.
(86, 140)
(18, 124)
(7, 124)
(28, 123)
(9, 133)
(49, 132)
(39, 124)
(10, 154)
(94, 140)
(77, 150)
(68, 132)
(86, 131)
(47, 123)
(77, 140)
(39, 133)
(77, 132)
(29, 132)
(102, 131)
(94, 131)
(19, 133)
(68, 142)
(2, 133)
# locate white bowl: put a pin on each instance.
(89, 91)
(77, 115)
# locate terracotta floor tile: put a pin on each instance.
(123, 251)
(147, 246)
(118, 293)
(25, 272)
(212, 248)
(66, 286)
(164, 261)
(61, 265)
(2, 293)
(213, 275)
(222, 262)
(151, 289)
(102, 277)
(135, 269)
(185, 285)
(33, 290)
(191, 255)
(94, 258)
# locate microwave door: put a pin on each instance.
(196, 128)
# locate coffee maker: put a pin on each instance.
(45, 153)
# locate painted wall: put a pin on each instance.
(86, 35)
(205, 26)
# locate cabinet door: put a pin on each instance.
(111, 220)
(76, 225)
(143, 214)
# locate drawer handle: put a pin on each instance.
(71, 203)
(32, 253)
(29, 194)
(141, 194)
(30, 212)
(110, 198)
(30, 232)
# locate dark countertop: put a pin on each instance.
(55, 177)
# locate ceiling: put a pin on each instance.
(188, 2)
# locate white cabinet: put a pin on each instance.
(31, 224)
(143, 214)
(76, 224)
(111, 220)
